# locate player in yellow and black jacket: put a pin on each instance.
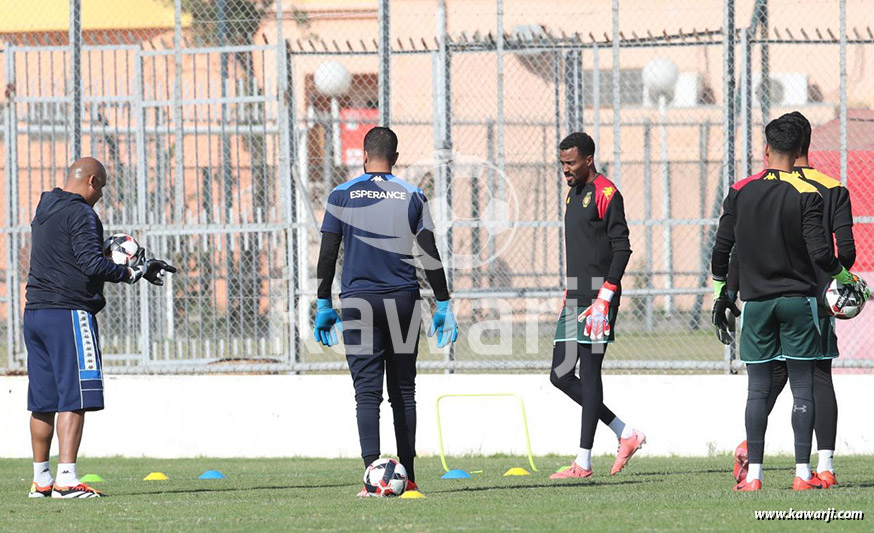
(775, 219)
(838, 225)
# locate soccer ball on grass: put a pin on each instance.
(385, 478)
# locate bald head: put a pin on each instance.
(86, 177)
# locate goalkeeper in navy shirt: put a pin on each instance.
(379, 218)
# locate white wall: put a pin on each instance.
(277, 416)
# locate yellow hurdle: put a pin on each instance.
(490, 395)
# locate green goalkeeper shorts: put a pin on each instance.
(780, 328)
(829, 338)
(569, 329)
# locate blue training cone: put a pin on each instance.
(212, 474)
(455, 474)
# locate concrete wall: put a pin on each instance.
(266, 416)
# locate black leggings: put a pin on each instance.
(826, 425)
(587, 390)
(381, 334)
(761, 385)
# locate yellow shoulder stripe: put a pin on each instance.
(814, 175)
(799, 184)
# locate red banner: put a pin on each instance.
(355, 123)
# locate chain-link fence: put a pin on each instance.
(224, 124)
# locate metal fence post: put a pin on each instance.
(301, 214)
(617, 95)
(10, 203)
(560, 174)
(667, 228)
(297, 201)
(581, 90)
(703, 256)
(647, 217)
(766, 62)
(573, 81)
(13, 244)
(596, 98)
(142, 208)
(500, 97)
(287, 158)
(843, 119)
(491, 183)
(728, 129)
(443, 86)
(746, 103)
(75, 35)
(384, 63)
(179, 200)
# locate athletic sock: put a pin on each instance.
(584, 459)
(825, 461)
(754, 472)
(369, 459)
(802, 470)
(620, 428)
(67, 475)
(42, 474)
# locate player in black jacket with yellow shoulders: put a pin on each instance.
(838, 224)
(775, 220)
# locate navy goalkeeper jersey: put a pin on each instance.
(378, 216)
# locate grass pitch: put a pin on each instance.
(319, 494)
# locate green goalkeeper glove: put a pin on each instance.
(845, 277)
(724, 312)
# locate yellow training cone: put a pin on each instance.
(156, 476)
(518, 471)
(412, 495)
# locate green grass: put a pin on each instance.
(630, 345)
(319, 494)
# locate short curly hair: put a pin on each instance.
(581, 141)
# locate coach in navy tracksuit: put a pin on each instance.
(64, 293)
(379, 217)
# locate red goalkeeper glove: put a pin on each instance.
(597, 314)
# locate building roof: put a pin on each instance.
(54, 15)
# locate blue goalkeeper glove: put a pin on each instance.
(324, 329)
(444, 325)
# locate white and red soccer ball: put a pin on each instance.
(124, 250)
(385, 478)
(842, 301)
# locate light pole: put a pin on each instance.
(333, 80)
(660, 77)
